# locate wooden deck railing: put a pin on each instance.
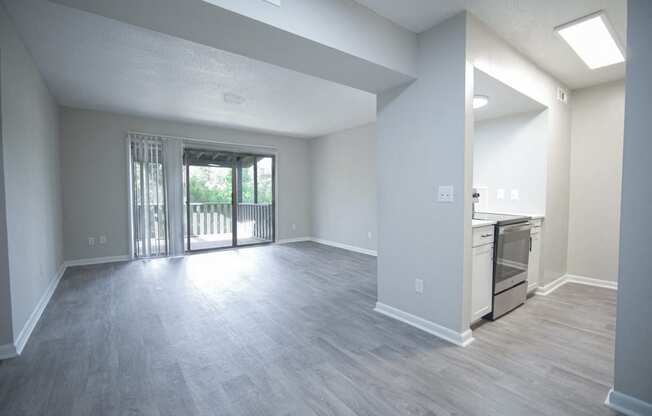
(254, 220)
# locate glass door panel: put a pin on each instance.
(255, 210)
(209, 206)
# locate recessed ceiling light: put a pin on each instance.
(480, 101)
(593, 40)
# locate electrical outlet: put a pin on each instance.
(562, 95)
(91, 241)
(102, 239)
(418, 285)
(446, 193)
(515, 196)
(294, 227)
(369, 235)
(500, 194)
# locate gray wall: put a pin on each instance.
(598, 120)
(421, 145)
(633, 373)
(31, 172)
(511, 153)
(94, 172)
(343, 171)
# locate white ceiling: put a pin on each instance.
(525, 24)
(503, 100)
(96, 63)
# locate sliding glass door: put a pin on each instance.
(228, 198)
(255, 200)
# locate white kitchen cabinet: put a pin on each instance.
(534, 264)
(482, 281)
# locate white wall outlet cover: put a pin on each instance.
(446, 193)
(418, 285)
(294, 227)
(515, 195)
(500, 194)
(562, 95)
(369, 235)
(102, 239)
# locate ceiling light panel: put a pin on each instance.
(480, 101)
(593, 40)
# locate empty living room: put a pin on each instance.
(325, 207)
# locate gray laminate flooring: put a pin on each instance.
(290, 330)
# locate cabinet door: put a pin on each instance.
(533, 268)
(482, 284)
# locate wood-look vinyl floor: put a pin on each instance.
(290, 330)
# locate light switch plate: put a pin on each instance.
(500, 194)
(446, 193)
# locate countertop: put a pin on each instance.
(482, 223)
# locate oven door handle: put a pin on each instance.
(515, 228)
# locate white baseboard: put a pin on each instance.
(27, 330)
(345, 246)
(96, 260)
(293, 240)
(545, 290)
(571, 278)
(583, 280)
(627, 405)
(461, 339)
(7, 351)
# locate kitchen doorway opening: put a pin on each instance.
(228, 199)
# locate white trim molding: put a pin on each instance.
(345, 246)
(583, 280)
(461, 339)
(27, 330)
(97, 260)
(7, 351)
(627, 405)
(293, 240)
(572, 278)
(545, 290)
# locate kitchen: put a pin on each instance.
(509, 194)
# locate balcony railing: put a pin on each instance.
(254, 220)
(210, 225)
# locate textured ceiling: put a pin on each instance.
(96, 63)
(503, 100)
(525, 24)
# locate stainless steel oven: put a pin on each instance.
(512, 255)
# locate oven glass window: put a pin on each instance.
(512, 253)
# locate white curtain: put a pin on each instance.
(156, 195)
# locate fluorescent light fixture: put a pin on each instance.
(480, 101)
(593, 40)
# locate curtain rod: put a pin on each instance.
(207, 141)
